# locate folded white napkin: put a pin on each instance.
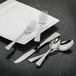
(16, 16)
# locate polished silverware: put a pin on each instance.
(28, 30)
(29, 53)
(53, 46)
(64, 46)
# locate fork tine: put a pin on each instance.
(43, 17)
(31, 26)
(33, 23)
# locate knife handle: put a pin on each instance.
(53, 36)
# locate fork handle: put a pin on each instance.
(38, 35)
(13, 42)
(10, 45)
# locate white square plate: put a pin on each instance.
(16, 16)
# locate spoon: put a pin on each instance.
(64, 46)
(54, 46)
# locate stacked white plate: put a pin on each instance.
(16, 16)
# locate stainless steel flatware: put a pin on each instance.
(28, 30)
(64, 46)
(29, 53)
(53, 46)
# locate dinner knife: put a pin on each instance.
(29, 53)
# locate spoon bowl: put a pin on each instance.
(65, 45)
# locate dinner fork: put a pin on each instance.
(42, 21)
(28, 30)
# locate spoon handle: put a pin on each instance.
(36, 57)
(39, 56)
(40, 61)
